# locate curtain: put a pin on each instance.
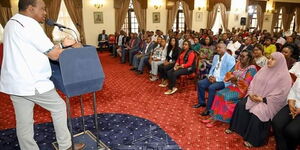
(212, 17)
(275, 20)
(5, 13)
(224, 16)
(171, 16)
(140, 14)
(260, 17)
(286, 20)
(74, 8)
(188, 15)
(53, 7)
(120, 14)
(298, 20)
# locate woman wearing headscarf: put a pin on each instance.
(266, 96)
(286, 124)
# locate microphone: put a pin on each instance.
(52, 23)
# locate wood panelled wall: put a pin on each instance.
(290, 7)
(211, 4)
(170, 4)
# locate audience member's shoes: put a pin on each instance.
(153, 78)
(78, 146)
(139, 72)
(169, 92)
(163, 85)
(132, 69)
(228, 131)
(207, 120)
(199, 105)
(211, 124)
(247, 144)
(205, 113)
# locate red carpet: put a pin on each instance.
(125, 92)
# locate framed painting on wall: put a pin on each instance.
(156, 17)
(199, 16)
(98, 17)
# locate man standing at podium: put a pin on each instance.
(26, 71)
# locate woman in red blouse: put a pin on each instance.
(184, 65)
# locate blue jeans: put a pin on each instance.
(212, 88)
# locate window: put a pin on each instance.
(293, 23)
(252, 10)
(218, 22)
(64, 19)
(179, 23)
(278, 25)
(1, 33)
(130, 24)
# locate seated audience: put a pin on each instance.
(286, 124)
(268, 47)
(142, 56)
(247, 45)
(158, 58)
(266, 96)
(196, 46)
(289, 42)
(132, 47)
(184, 65)
(173, 51)
(239, 77)
(234, 44)
(259, 58)
(102, 40)
(205, 56)
(222, 63)
(288, 52)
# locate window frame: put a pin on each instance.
(128, 23)
(177, 19)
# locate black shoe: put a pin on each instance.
(199, 105)
(205, 113)
(139, 72)
(132, 69)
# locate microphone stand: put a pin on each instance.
(76, 38)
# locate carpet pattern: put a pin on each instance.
(117, 131)
(124, 92)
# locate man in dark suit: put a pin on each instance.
(142, 56)
(131, 48)
(247, 45)
(102, 40)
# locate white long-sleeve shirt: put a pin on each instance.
(295, 90)
(25, 67)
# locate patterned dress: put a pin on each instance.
(226, 99)
(205, 60)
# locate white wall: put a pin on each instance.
(267, 22)
(200, 22)
(163, 17)
(91, 29)
(238, 10)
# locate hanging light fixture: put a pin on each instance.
(98, 3)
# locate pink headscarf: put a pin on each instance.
(272, 83)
